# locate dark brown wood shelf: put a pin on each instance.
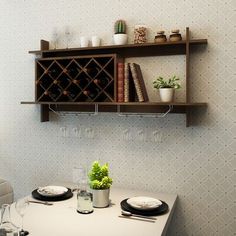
(121, 103)
(57, 72)
(128, 50)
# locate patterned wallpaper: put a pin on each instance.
(197, 163)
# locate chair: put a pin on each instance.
(6, 192)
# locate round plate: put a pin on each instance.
(144, 203)
(65, 196)
(162, 209)
(52, 191)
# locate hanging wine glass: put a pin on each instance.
(68, 36)
(55, 38)
(21, 207)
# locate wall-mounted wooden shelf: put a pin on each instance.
(128, 50)
(101, 105)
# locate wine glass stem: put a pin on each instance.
(22, 223)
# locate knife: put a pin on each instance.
(44, 203)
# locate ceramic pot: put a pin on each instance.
(101, 197)
(166, 94)
(120, 39)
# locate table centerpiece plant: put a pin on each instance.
(167, 87)
(100, 183)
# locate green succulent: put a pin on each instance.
(120, 27)
(98, 176)
(172, 82)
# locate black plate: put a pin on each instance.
(62, 197)
(162, 209)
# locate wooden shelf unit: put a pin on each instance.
(183, 47)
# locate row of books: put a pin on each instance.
(130, 83)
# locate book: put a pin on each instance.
(120, 82)
(126, 83)
(139, 82)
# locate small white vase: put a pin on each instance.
(101, 197)
(166, 94)
(120, 39)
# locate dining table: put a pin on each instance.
(62, 219)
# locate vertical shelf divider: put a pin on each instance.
(187, 95)
(44, 108)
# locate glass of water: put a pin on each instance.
(84, 202)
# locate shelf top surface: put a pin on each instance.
(126, 46)
(119, 104)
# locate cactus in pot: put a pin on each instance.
(120, 36)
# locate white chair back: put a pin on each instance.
(6, 192)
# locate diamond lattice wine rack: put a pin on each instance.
(76, 79)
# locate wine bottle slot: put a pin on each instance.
(65, 92)
(92, 71)
(103, 81)
(92, 93)
(46, 93)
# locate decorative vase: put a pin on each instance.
(120, 39)
(101, 197)
(166, 94)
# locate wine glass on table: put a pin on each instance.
(21, 207)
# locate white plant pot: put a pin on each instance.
(101, 198)
(167, 94)
(120, 39)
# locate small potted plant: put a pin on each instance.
(120, 37)
(167, 87)
(100, 184)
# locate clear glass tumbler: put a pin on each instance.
(84, 202)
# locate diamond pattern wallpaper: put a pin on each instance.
(156, 154)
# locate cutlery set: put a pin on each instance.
(129, 215)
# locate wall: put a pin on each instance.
(197, 163)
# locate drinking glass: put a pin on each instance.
(68, 36)
(21, 207)
(55, 38)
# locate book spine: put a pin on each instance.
(120, 82)
(136, 83)
(126, 82)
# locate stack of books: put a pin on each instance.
(130, 83)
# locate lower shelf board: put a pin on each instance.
(130, 108)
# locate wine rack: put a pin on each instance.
(76, 79)
(84, 80)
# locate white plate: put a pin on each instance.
(144, 203)
(52, 191)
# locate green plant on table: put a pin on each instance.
(99, 176)
(172, 82)
(120, 27)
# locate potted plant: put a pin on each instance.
(167, 87)
(100, 184)
(120, 37)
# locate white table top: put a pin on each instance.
(62, 219)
